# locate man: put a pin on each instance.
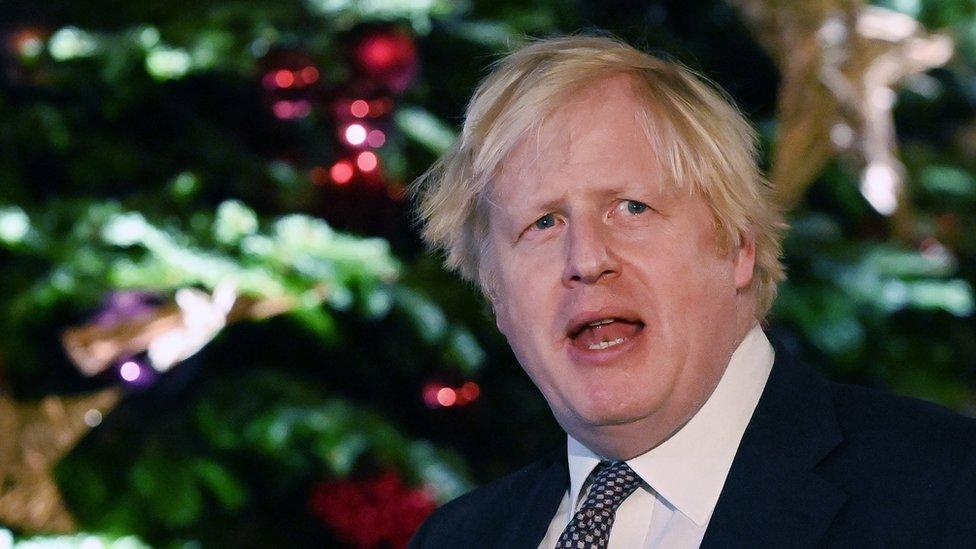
(609, 205)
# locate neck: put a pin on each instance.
(628, 440)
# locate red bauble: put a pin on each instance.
(377, 512)
(388, 57)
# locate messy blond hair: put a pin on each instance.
(696, 132)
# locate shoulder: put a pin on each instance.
(893, 441)
(478, 513)
(495, 493)
(869, 416)
(907, 465)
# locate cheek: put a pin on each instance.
(685, 275)
(513, 292)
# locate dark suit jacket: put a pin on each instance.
(820, 464)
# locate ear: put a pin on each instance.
(744, 261)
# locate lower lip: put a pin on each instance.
(604, 357)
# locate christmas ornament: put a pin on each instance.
(839, 61)
(34, 436)
(437, 395)
(388, 58)
(126, 304)
(172, 332)
(202, 317)
(372, 512)
(290, 79)
(137, 373)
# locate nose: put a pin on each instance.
(590, 257)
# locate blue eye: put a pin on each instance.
(636, 207)
(545, 222)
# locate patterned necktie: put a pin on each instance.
(590, 527)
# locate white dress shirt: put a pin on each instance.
(683, 476)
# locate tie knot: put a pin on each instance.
(612, 483)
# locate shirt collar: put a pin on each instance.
(689, 468)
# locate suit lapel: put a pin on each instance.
(533, 503)
(772, 496)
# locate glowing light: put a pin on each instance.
(282, 109)
(165, 63)
(28, 43)
(883, 97)
(93, 418)
(355, 134)
(14, 224)
(291, 109)
(149, 37)
(833, 31)
(125, 229)
(284, 78)
(379, 52)
(841, 135)
(130, 371)
(367, 161)
(71, 42)
(885, 24)
(309, 74)
(446, 396)
(470, 391)
(430, 395)
(359, 108)
(184, 184)
(341, 172)
(375, 138)
(879, 185)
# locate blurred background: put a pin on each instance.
(218, 326)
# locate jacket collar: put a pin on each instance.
(532, 506)
(772, 496)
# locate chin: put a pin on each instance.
(613, 412)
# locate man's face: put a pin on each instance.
(611, 287)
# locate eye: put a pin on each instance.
(634, 207)
(545, 222)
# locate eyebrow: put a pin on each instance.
(554, 203)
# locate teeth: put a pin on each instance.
(605, 344)
(600, 322)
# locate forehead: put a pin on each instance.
(597, 139)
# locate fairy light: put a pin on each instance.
(470, 391)
(355, 134)
(309, 75)
(446, 396)
(879, 185)
(359, 108)
(436, 395)
(367, 161)
(341, 172)
(284, 78)
(285, 109)
(93, 418)
(130, 371)
(375, 138)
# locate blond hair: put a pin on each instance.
(695, 130)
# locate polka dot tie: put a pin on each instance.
(590, 527)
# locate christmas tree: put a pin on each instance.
(218, 325)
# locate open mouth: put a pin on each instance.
(603, 333)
